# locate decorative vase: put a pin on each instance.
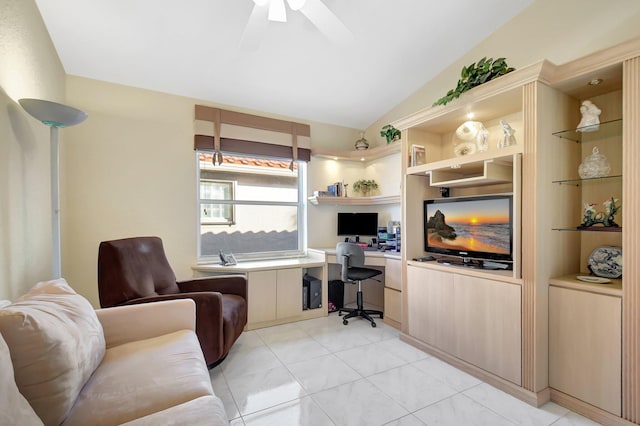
(595, 165)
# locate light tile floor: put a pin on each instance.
(320, 372)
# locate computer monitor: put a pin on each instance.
(358, 224)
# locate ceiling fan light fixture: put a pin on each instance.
(296, 4)
(277, 11)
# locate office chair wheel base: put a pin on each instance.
(373, 324)
(345, 322)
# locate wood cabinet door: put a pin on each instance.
(393, 304)
(393, 274)
(585, 358)
(487, 324)
(430, 307)
(262, 296)
(289, 293)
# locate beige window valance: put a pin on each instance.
(218, 130)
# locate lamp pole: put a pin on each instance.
(56, 257)
(54, 115)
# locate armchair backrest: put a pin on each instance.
(349, 255)
(131, 268)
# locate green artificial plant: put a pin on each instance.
(475, 75)
(364, 185)
(391, 133)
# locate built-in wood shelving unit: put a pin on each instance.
(355, 201)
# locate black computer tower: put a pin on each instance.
(305, 297)
(311, 292)
(336, 293)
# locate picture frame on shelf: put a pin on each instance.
(417, 155)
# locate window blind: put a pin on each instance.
(222, 130)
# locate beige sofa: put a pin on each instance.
(73, 365)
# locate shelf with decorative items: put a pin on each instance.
(588, 187)
(357, 171)
(485, 168)
(595, 180)
(466, 142)
(605, 130)
(580, 181)
(355, 201)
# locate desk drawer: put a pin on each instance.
(393, 304)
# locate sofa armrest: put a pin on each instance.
(225, 284)
(150, 320)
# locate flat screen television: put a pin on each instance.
(479, 227)
(358, 224)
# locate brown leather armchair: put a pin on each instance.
(136, 270)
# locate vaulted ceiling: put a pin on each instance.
(195, 48)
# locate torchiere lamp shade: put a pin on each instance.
(53, 114)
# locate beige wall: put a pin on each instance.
(548, 29)
(29, 68)
(130, 170)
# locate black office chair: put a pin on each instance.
(351, 257)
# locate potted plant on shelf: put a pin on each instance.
(365, 186)
(391, 133)
(475, 75)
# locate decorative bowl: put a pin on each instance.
(606, 262)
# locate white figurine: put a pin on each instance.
(508, 137)
(590, 117)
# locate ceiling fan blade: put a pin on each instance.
(277, 11)
(326, 21)
(256, 27)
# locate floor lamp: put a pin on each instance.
(55, 116)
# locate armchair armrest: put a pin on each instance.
(227, 284)
(208, 314)
(150, 320)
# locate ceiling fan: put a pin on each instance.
(275, 10)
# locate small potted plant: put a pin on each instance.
(391, 133)
(486, 69)
(365, 186)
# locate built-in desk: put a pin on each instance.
(386, 297)
(275, 287)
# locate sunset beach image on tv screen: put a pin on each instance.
(480, 225)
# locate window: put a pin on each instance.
(250, 206)
(216, 214)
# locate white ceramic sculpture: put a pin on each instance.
(508, 137)
(590, 117)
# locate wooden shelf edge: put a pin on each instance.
(355, 201)
(514, 80)
(470, 181)
(590, 229)
(572, 283)
(503, 154)
(364, 155)
(504, 276)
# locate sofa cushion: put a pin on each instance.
(15, 409)
(56, 342)
(206, 410)
(139, 378)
